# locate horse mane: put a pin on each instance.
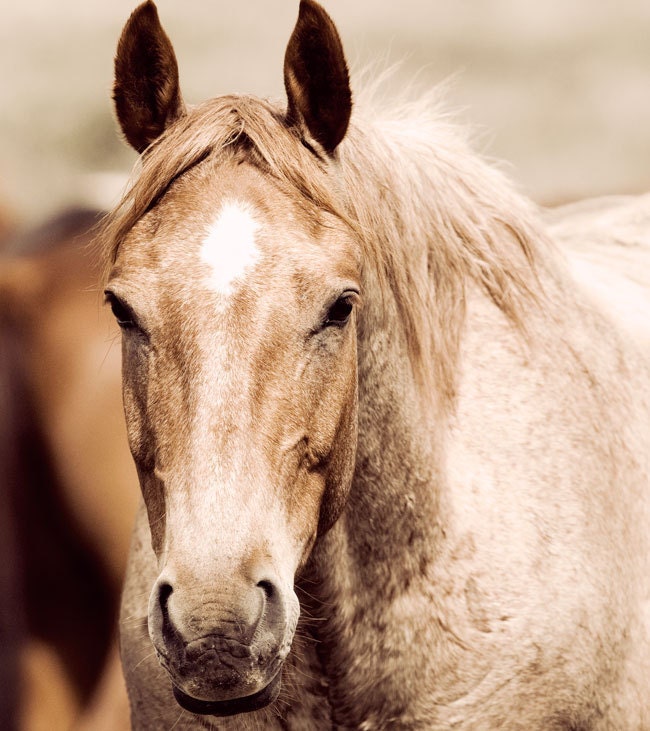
(431, 215)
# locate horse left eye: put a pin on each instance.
(339, 313)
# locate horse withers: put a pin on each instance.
(392, 442)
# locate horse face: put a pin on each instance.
(237, 306)
(238, 311)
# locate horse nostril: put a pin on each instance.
(164, 623)
(272, 608)
(268, 589)
(164, 592)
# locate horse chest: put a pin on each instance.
(436, 657)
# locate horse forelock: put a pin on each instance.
(236, 125)
(430, 215)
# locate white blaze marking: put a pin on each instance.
(229, 248)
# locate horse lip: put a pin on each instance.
(233, 706)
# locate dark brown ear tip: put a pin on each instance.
(310, 11)
(306, 5)
(312, 5)
(144, 19)
(146, 8)
(146, 14)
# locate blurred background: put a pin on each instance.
(558, 91)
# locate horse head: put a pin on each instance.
(237, 296)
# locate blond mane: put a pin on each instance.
(430, 214)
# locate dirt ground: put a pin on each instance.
(559, 90)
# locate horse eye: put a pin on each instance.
(121, 312)
(339, 313)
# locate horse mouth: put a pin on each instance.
(233, 706)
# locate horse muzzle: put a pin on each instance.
(224, 654)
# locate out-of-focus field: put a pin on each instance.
(560, 90)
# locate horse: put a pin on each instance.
(10, 604)
(67, 484)
(390, 420)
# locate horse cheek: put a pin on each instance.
(339, 468)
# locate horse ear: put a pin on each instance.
(316, 78)
(146, 91)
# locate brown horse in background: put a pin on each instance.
(10, 599)
(67, 485)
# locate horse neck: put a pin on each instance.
(372, 573)
(436, 222)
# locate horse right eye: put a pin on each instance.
(122, 312)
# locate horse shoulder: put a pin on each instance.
(546, 489)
